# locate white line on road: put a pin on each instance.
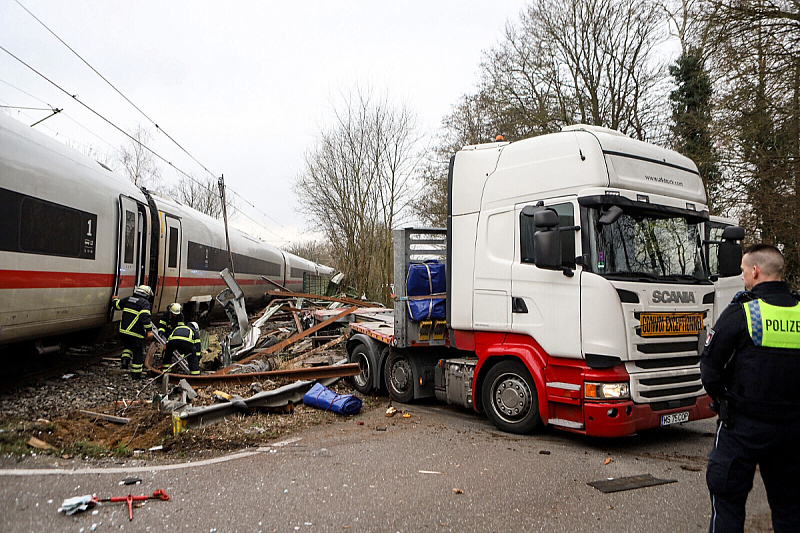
(156, 468)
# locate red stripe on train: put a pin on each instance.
(29, 279)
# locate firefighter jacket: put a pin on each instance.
(169, 322)
(135, 316)
(752, 354)
(185, 340)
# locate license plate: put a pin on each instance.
(675, 418)
(670, 324)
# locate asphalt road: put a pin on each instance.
(442, 469)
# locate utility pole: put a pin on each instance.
(221, 183)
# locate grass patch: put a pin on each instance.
(86, 449)
(122, 451)
(12, 440)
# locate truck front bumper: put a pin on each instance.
(619, 419)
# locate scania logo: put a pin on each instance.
(673, 297)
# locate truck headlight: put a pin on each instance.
(606, 391)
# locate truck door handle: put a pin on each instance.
(518, 305)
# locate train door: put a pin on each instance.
(131, 253)
(170, 250)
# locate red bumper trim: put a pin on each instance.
(642, 416)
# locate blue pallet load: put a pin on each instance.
(426, 289)
(321, 397)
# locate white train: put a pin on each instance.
(72, 234)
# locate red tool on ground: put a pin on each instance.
(157, 495)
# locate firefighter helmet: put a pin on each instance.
(175, 308)
(144, 290)
(194, 326)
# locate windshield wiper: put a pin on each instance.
(641, 276)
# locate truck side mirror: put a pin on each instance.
(546, 240)
(729, 255)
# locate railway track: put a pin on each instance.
(23, 368)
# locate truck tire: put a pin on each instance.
(362, 382)
(509, 398)
(399, 378)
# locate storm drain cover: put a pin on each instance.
(628, 483)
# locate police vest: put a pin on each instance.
(773, 326)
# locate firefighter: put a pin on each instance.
(170, 319)
(133, 327)
(750, 367)
(185, 340)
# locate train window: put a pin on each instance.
(40, 227)
(130, 236)
(202, 257)
(296, 272)
(173, 248)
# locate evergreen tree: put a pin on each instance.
(691, 116)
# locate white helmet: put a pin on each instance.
(144, 290)
(194, 326)
(175, 308)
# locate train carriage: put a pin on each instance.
(73, 233)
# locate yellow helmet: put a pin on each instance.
(175, 308)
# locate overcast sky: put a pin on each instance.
(244, 87)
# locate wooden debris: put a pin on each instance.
(33, 442)
(108, 418)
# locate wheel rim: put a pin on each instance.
(363, 377)
(401, 375)
(511, 397)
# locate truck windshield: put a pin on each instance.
(647, 246)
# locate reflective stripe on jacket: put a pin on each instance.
(185, 340)
(773, 326)
(135, 316)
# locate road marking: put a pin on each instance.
(156, 468)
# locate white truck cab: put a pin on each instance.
(577, 278)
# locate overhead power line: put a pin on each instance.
(139, 110)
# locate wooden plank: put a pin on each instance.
(344, 299)
(297, 321)
(315, 351)
(284, 343)
(109, 418)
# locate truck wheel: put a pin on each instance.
(399, 378)
(362, 382)
(509, 398)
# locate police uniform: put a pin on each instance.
(186, 341)
(751, 368)
(133, 327)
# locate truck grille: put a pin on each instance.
(666, 385)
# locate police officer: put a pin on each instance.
(170, 319)
(751, 369)
(185, 340)
(134, 326)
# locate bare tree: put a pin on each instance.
(588, 61)
(756, 65)
(470, 122)
(356, 184)
(202, 195)
(564, 62)
(316, 251)
(138, 162)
